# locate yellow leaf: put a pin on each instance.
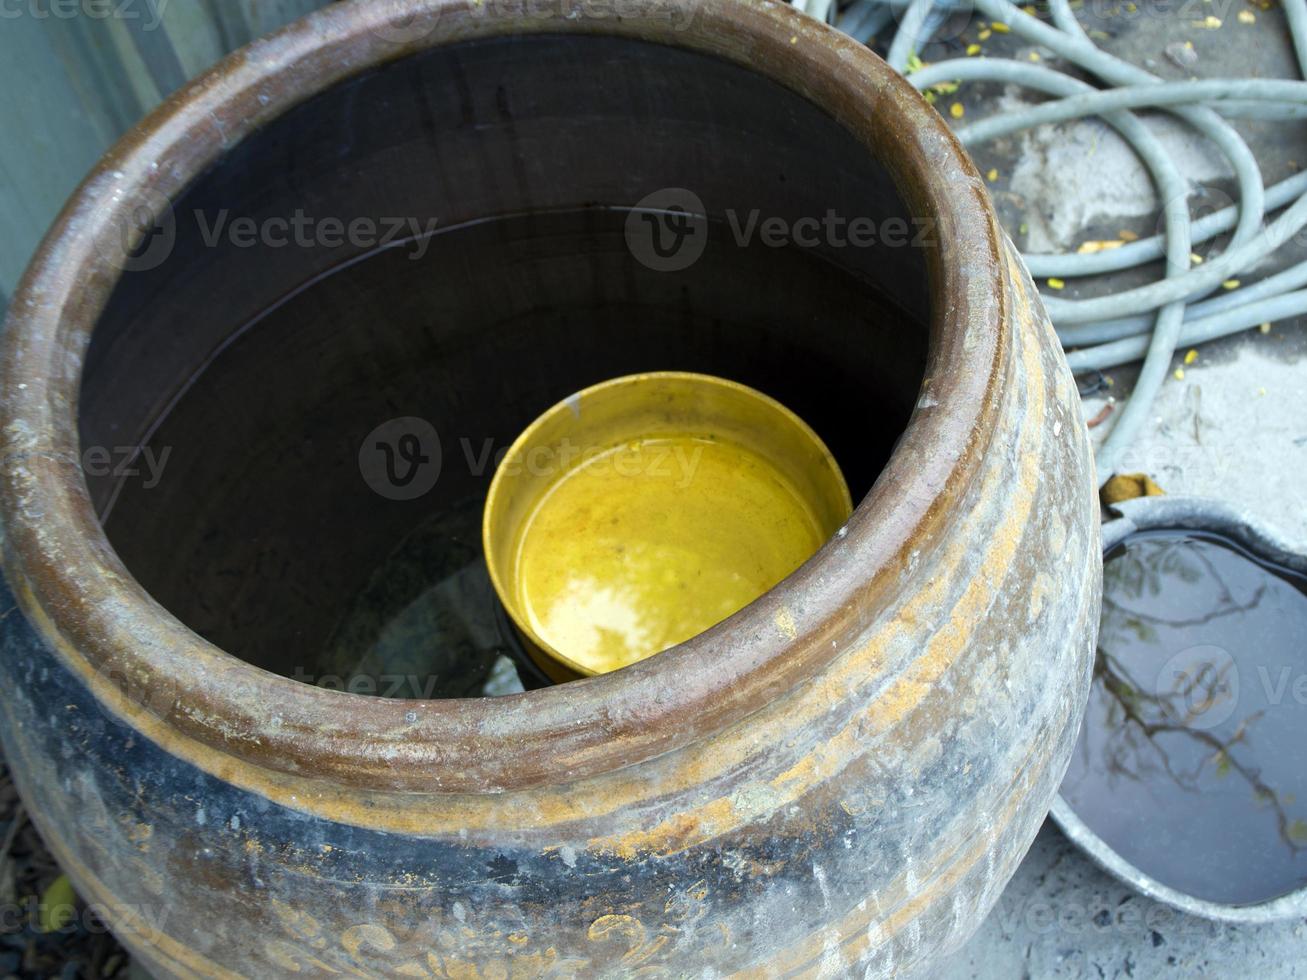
(973, 49)
(1191, 356)
(58, 905)
(1127, 236)
(1179, 374)
(984, 35)
(1092, 248)
(1128, 486)
(956, 110)
(1247, 17)
(1230, 284)
(1195, 258)
(1264, 327)
(999, 26)
(1054, 283)
(992, 175)
(1034, 55)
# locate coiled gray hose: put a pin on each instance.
(1149, 321)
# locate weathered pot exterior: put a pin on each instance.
(839, 780)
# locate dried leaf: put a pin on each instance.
(1127, 486)
(58, 905)
(1090, 248)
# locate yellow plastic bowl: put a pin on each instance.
(644, 510)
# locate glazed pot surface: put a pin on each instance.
(874, 742)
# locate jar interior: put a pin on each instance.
(464, 238)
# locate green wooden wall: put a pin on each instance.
(76, 74)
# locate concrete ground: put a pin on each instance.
(1234, 428)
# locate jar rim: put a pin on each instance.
(214, 709)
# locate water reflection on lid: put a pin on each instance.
(1190, 763)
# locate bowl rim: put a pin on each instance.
(499, 578)
(230, 718)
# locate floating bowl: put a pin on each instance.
(638, 513)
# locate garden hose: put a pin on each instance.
(1145, 322)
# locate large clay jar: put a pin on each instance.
(838, 779)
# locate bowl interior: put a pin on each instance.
(655, 527)
(446, 239)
